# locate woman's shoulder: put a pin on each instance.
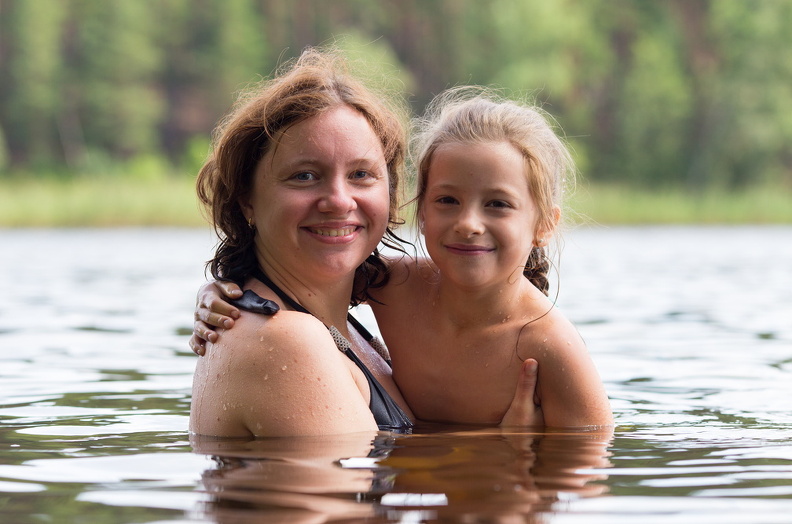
(260, 345)
(281, 375)
(291, 331)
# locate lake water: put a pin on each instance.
(691, 329)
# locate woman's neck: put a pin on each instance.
(327, 301)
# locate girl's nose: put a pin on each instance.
(469, 223)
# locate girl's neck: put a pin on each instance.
(483, 306)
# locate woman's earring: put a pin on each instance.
(251, 225)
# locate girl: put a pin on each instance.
(459, 326)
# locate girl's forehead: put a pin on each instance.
(496, 162)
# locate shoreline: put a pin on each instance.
(171, 202)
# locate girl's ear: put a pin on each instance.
(546, 228)
(556, 214)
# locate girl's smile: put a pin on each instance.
(468, 249)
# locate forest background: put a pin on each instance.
(678, 111)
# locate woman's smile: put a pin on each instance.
(337, 232)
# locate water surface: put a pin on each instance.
(691, 329)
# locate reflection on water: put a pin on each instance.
(444, 474)
(690, 327)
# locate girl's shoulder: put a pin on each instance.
(407, 276)
(550, 334)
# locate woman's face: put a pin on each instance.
(319, 198)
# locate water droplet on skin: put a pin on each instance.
(266, 377)
(283, 368)
(261, 339)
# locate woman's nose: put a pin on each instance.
(337, 198)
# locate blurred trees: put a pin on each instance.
(679, 92)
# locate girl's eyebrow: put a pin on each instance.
(495, 190)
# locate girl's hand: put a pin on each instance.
(525, 409)
(213, 311)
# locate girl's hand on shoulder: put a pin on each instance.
(525, 409)
(212, 310)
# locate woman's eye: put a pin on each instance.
(360, 174)
(304, 177)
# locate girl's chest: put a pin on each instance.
(463, 379)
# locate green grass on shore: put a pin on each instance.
(606, 204)
(115, 202)
(99, 202)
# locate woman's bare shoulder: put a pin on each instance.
(287, 335)
(283, 375)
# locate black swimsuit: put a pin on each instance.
(387, 413)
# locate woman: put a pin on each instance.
(301, 186)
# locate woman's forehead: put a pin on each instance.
(337, 131)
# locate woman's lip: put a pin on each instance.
(469, 249)
(334, 233)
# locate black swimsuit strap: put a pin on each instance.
(258, 274)
(387, 413)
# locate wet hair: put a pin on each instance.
(315, 82)
(479, 115)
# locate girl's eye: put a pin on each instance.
(498, 203)
(446, 200)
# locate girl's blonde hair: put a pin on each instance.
(480, 115)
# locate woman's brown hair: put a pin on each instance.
(313, 83)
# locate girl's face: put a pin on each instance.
(319, 198)
(478, 215)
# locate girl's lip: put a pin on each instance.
(469, 249)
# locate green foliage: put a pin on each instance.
(376, 63)
(689, 93)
